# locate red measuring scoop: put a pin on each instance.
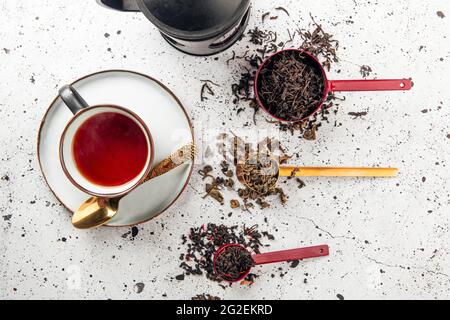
(331, 85)
(273, 257)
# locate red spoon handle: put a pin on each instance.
(290, 255)
(370, 85)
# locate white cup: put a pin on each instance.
(82, 112)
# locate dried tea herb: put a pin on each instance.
(265, 42)
(365, 71)
(320, 43)
(301, 183)
(284, 10)
(206, 297)
(207, 89)
(236, 152)
(295, 263)
(180, 277)
(357, 115)
(235, 204)
(213, 188)
(260, 173)
(233, 263)
(203, 242)
(310, 134)
(259, 37)
(290, 86)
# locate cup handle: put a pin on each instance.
(73, 100)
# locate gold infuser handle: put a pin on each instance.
(183, 155)
(337, 172)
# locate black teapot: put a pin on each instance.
(198, 27)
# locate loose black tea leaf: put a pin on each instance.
(233, 263)
(206, 89)
(284, 10)
(365, 71)
(205, 297)
(295, 263)
(290, 86)
(301, 183)
(180, 277)
(357, 115)
(210, 82)
(320, 44)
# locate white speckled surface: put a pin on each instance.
(389, 238)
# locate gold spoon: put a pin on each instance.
(96, 212)
(275, 170)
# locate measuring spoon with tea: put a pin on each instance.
(233, 262)
(262, 173)
(292, 85)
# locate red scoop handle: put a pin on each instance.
(291, 255)
(370, 85)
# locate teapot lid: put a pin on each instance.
(194, 19)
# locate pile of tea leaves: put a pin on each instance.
(202, 243)
(260, 173)
(233, 263)
(263, 43)
(235, 152)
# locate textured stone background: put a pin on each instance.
(389, 238)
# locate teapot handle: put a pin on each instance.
(121, 5)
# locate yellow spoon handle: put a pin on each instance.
(337, 172)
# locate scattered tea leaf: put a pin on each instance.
(365, 71)
(180, 277)
(139, 287)
(294, 264)
(357, 115)
(201, 297)
(235, 204)
(310, 134)
(284, 10)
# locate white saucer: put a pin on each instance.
(167, 120)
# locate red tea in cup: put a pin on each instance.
(105, 150)
(110, 149)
